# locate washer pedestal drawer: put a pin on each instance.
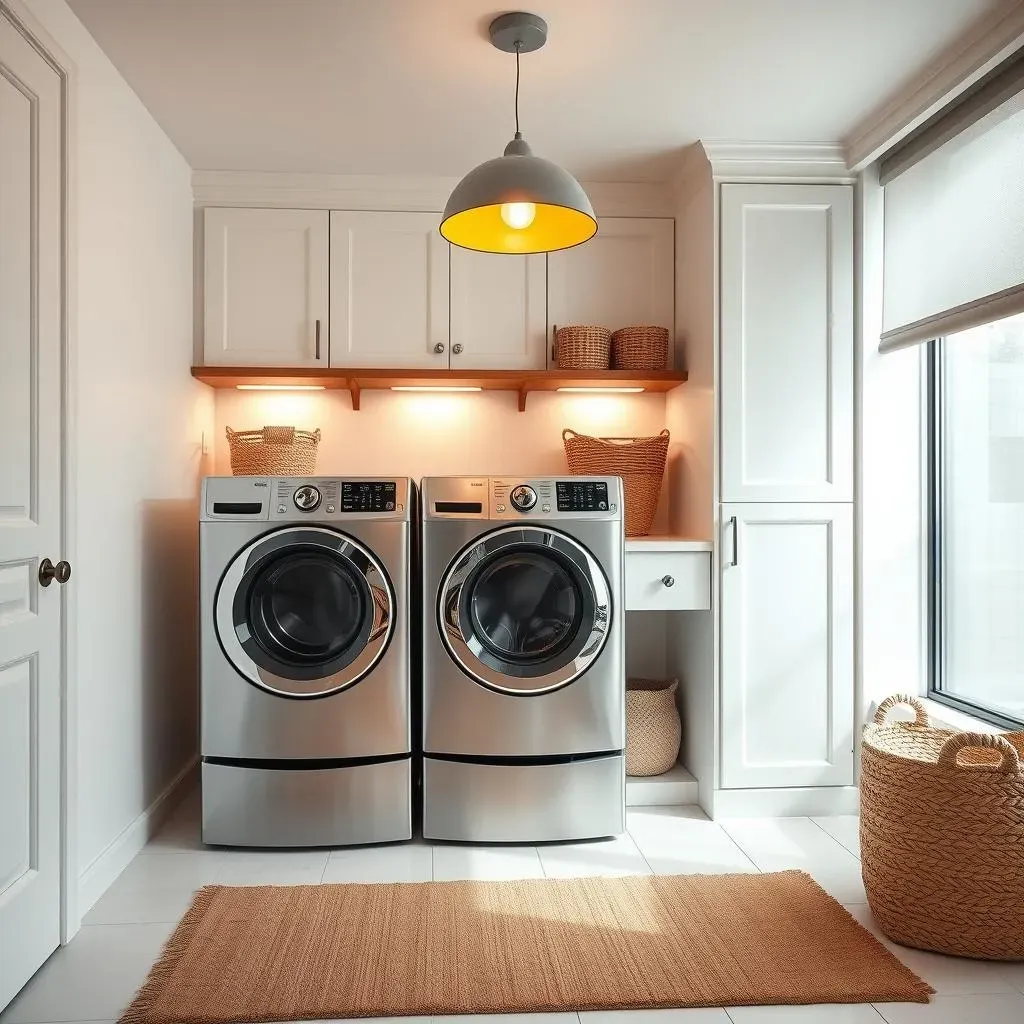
(366, 803)
(488, 803)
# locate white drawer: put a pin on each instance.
(668, 580)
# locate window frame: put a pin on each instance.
(935, 396)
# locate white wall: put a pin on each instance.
(140, 418)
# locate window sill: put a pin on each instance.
(949, 718)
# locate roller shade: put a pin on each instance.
(954, 231)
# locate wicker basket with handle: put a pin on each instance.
(273, 451)
(642, 347)
(640, 461)
(653, 728)
(942, 835)
(583, 348)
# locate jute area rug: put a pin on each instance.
(278, 953)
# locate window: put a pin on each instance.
(977, 515)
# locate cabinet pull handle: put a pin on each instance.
(456, 350)
(318, 339)
(735, 541)
(439, 347)
(668, 581)
(554, 345)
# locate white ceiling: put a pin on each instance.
(413, 87)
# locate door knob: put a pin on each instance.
(668, 581)
(48, 572)
(439, 347)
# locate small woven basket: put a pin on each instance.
(640, 461)
(642, 347)
(942, 835)
(653, 728)
(583, 348)
(273, 451)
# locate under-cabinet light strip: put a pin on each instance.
(280, 387)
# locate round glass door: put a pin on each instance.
(304, 612)
(524, 610)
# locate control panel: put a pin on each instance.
(368, 495)
(582, 496)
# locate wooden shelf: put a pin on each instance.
(358, 380)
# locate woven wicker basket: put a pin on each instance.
(583, 348)
(640, 461)
(640, 348)
(942, 835)
(273, 451)
(653, 728)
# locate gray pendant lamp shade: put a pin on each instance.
(518, 203)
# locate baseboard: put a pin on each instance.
(103, 871)
(676, 786)
(786, 803)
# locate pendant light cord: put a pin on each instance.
(518, 45)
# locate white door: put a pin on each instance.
(265, 287)
(624, 275)
(787, 645)
(787, 342)
(498, 311)
(31, 386)
(389, 290)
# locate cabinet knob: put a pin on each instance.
(439, 347)
(668, 581)
(456, 350)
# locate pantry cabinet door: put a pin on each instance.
(498, 311)
(787, 342)
(389, 290)
(787, 645)
(624, 275)
(265, 287)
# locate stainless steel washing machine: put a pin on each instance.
(305, 661)
(523, 660)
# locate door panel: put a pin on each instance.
(389, 290)
(787, 342)
(498, 311)
(787, 645)
(31, 387)
(266, 287)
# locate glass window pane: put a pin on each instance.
(981, 418)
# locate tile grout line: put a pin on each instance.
(843, 845)
(746, 856)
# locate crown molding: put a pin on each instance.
(976, 53)
(764, 162)
(394, 192)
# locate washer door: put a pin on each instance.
(304, 612)
(524, 610)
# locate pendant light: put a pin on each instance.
(518, 203)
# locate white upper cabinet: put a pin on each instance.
(787, 342)
(389, 290)
(787, 645)
(498, 311)
(265, 280)
(624, 275)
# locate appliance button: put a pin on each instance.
(282, 508)
(330, 508)
(389, 506)
(306, 498)
(545, 508)
(499, 508)
(523, 497)
(602, 505)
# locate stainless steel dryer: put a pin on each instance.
(523, 664)
(304, 638)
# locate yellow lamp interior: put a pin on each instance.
(553, 227)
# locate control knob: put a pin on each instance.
(306, 498)
(523, 497)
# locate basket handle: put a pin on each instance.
(898, 700)
(1009, 763)
(567, 433)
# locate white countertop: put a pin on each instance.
(666, 543)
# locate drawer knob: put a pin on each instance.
(668, 581)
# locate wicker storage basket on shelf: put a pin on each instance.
(583, 348)
(653, 728)
(273, 451)
(642, 347)
(640, 461)
(942, 835)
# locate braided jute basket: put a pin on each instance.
(273, 451)
(653, 728)
(641, 347)
(640, 461)
(580, 347)
(942, 835)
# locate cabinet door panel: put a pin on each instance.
(787, 645)
(624, 275)
(787, 342)
(265, 281)
(498, 311)
(389, 290)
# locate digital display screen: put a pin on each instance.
(368, 496)
(581, 496)
(472, 507)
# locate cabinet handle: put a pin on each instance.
(456, 350)
(735, 541)
(439, 347)
(668, 581)
(318, 339)
(554, 346)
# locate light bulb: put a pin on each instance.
(518, 215)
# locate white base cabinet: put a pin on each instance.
(787, 706)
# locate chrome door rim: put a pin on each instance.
(340, 545)
(465, 650)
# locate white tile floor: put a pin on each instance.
(94, 977)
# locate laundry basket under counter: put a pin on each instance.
(668, 574)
